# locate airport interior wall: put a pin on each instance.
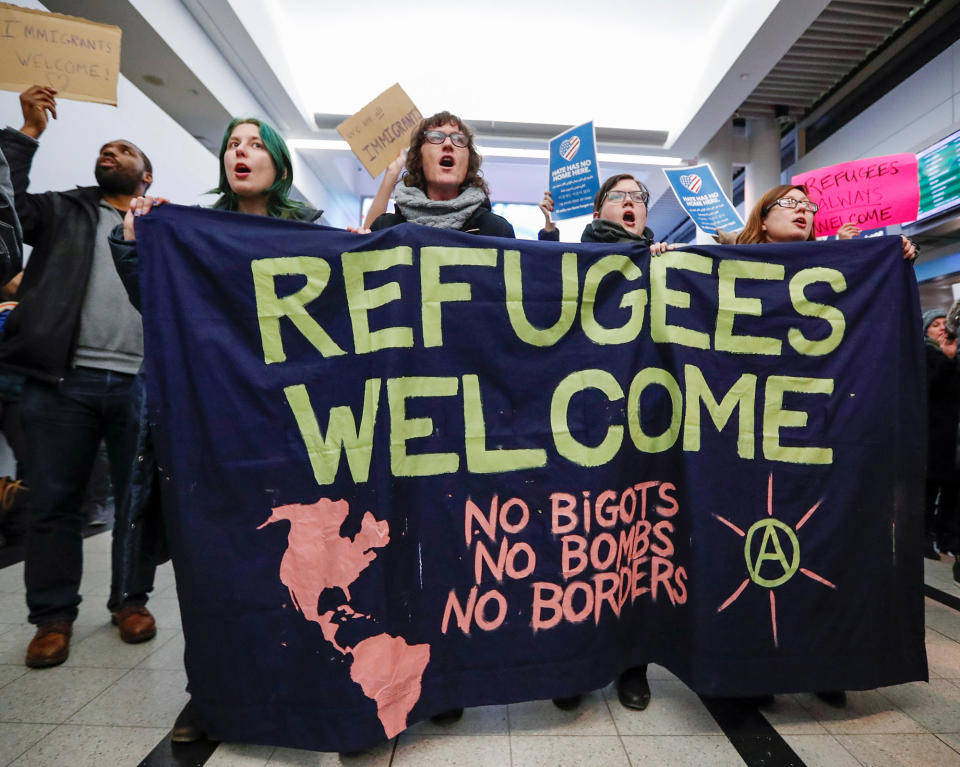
(921, 110)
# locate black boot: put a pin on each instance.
(632, 688)
(186, 729)
(836, 698)
(568, 704)
(447, 717)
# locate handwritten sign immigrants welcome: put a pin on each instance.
(80, 58)
(420, 469)
(871, 193)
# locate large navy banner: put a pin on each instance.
(415, 470)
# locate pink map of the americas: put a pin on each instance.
(317, 558)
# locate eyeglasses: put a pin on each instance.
(640, 195)
(438, 137)
(789, 202)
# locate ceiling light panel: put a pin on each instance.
(636, 67)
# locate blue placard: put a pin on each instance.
(574, 180)
(701, 197)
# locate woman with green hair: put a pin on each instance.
(256, 176)
(256, 173)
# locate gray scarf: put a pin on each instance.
(417, 208)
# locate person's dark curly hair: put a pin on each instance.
(414, 167)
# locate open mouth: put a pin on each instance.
(801, 221)
(446, 161)
(628, 217)
(241, 169)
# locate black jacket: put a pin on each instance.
(41, 333)
(483, 221)
(943, 411)
(11, 237)
(589, 235)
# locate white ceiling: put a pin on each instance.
(680, 67)
(657, 77)
(642, 65)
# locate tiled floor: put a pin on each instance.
(113, 704)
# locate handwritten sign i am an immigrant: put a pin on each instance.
(378, 132)
(80, 58)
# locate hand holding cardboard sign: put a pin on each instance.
(379, 205)
(394, 168)
(35, 102)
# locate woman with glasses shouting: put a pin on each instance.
(619, 215)
(443, 186)
(785, 214)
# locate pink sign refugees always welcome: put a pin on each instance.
(871, 193)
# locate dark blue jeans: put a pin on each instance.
(63, 425)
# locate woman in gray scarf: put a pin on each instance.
(443, 186)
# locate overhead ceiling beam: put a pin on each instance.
(151, 65)
(926, 36)
(219, 20)
(531, 131)
(868, 20)
(780, 30)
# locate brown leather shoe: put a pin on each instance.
(136, 624)
(50, 646)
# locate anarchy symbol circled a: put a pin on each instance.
(771, 549)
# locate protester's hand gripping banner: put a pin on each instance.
(417, 470)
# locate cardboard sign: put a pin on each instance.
(378, 132)
(574, 178)
(700, 195)
(871, 193)
(80, 58)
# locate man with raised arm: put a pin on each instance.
(78, 340)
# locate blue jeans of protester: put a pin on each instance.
(63, 425)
